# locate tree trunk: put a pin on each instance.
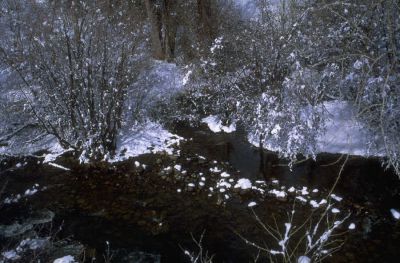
(206, 23)
(162, 18)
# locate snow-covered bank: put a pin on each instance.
(215, 124)
(29, 142)
(342, 133)
(150, 138)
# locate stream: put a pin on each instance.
(155, 207)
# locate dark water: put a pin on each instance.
(145, 219)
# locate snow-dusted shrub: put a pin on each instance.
(76, 64)
(313, 240)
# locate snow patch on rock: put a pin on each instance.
(215, 125)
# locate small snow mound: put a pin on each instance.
(395, 213)
(278, 193)
(215, 125)
(304, 259)
(323, 202)
(314, 204)
(352, 226)
(336, 198)
(335, 210)
(150, 138)
(304, 191)
(301, 199)
(66, 259)
(10, 255)
(215, 170)
(251, 204)
(243, 183)
(225, 174)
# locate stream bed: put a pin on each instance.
(216, 188)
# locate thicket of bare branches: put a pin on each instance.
(76, 62)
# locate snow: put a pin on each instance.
(243, 183)
(27, 193)
(323, 202)
(251, 204)
(225, 174)
(304, 259)
(23, 246)
(177, 167)
(395, 213)
(278, 193)
(149, 138)
(215, 125)
(10, 255)
(55, 150)
(65, 259)
(304, 191)
(335, 210)
(284, 241)
(342, 134)
(352, 226)
(59, 166)
(185, 79)
(314, 204)
(275, 252)
(32, 244)
(223, 183)
(215, 170)
(336, 198)
(301, 199)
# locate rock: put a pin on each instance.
(15, 229)
(190, 187)
(139, 256)
(274, 182)
(65, 259)
(173, 157)
(63, 248)
(42, 217)
(304, 259)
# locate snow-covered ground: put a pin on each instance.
(150, 138)
(344, 134)
(30, 142)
